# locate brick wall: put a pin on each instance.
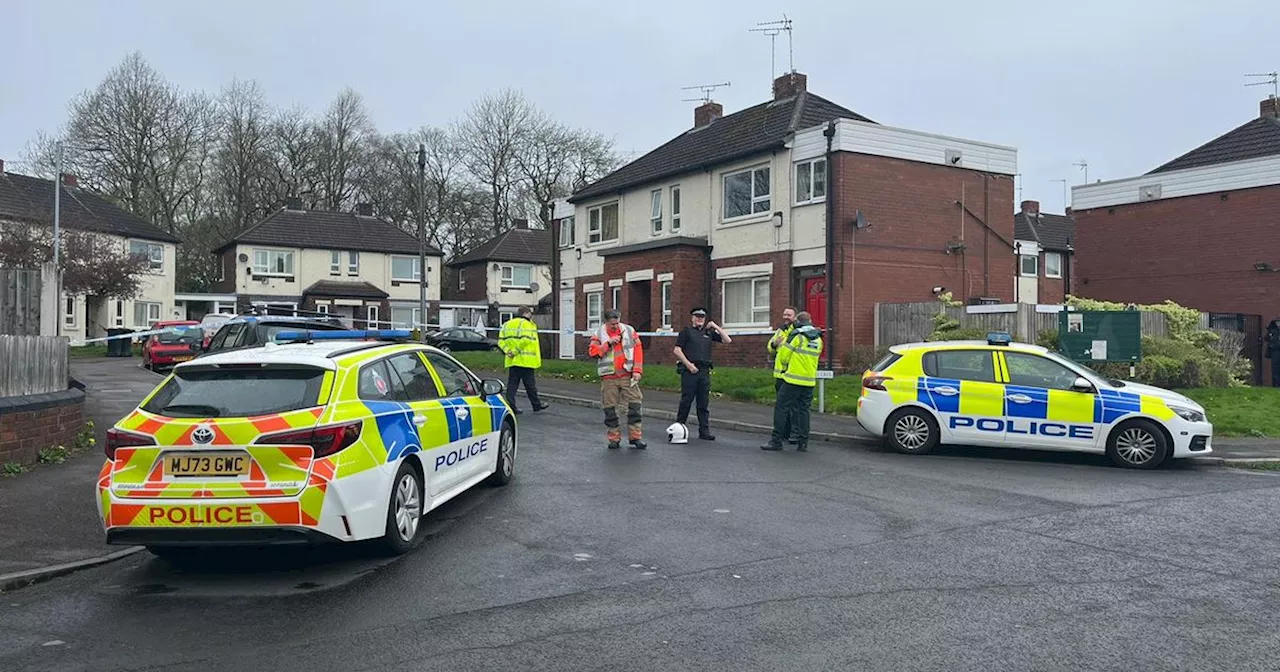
(1054, 290)
(30, 424)
(1199, 251)
(227, 285)
(477, 289)
(913, 212)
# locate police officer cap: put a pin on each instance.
(698, 312)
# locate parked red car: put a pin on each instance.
(180, 343)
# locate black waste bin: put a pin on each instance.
(119, 347)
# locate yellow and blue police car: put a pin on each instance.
(999, 393)
(322, 436)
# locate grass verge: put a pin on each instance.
(1240, 411)
(727, 382)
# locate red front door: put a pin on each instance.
(815, 300)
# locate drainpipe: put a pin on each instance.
(1066, 270)
(986, 235)
(555, 273)
(832, 190)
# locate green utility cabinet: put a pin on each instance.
(1100, 335)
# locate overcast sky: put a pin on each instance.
(1123, 84)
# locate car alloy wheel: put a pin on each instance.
(408, 507)
(911, 432)
(1136, 446)
(507, 449)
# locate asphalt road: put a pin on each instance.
(723, 557)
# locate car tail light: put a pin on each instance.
(118, 438)
(323, 440)
(875, 382)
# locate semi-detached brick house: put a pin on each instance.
(1202, 229)
(738, 213)
(1045, 254)
(510, 270)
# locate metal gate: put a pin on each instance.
(1251, 327)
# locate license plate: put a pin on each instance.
(183, 359)
(229, 463)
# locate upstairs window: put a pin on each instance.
(655, 211)
(675, 209)
(602, 223)
(152, 252)
(746, 193)
(811, 181)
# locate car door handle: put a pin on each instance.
(419, 419)
(1019, 398)
(947, 391)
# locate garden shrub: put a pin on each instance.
(861, 357)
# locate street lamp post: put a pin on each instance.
(422, 241)
(57, 233)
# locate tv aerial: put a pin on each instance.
(773, 29)
(707, 90)
(1272, 78)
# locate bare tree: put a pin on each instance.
(556, 160)
(494, 132)
(343, 140)
(296, 156)
(91, 264)
(243, 180)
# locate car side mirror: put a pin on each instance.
(1082, 384)
(492, 386)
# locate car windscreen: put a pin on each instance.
(236, 392)
(191, 334)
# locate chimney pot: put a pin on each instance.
(364, 209)
(1068, 212)
(706, 113)
(1031, 207)
(1270, 107)
(1, 166)
(520, 223)
(293, 203)
(789, 85)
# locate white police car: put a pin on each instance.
(999, 393)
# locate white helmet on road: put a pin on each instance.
(677, 433)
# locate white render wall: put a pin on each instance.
(311, 266)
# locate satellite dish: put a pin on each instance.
(243, 257)
(533, 286)
(859, 221)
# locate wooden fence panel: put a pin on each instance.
(913, 322)
(33, 365)
(19, 302)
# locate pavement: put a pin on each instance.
(49, 514)
(720, 556)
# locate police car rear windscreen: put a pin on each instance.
(237, 392)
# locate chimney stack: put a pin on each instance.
(1031, 207)
(364, 209)
(69, 181)
(1, 166)
(1270, 107)
(706, 113)
(789, 85)
(292, 203)
(520, 223)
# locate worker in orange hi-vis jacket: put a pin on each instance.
(621, 364)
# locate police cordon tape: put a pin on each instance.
(577, 332)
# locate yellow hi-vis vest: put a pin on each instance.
(799, 359)
(775, 345)
(518, 340)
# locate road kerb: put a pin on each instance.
(30, 577)
(1243, 462)
(719, 424)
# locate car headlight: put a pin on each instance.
(1188, 414)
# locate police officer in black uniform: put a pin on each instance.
(693, 352)
(1272, 346)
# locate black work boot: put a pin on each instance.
(638, 444)
(802, 446)
(771, 446)
(614, 445)
(706, 436)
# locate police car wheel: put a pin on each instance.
(505, 470)
(1137, 444)
(404, 511)
(912, 432)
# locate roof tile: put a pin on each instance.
(750, 131)
(524, 246)
(322, 230)
(1255, 139)
(30, 199)
(1053, 232)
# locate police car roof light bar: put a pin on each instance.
(999, 338)
(344, 335)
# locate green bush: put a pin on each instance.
(861, 357)
(1048, 339)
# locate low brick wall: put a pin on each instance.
(34, 422)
